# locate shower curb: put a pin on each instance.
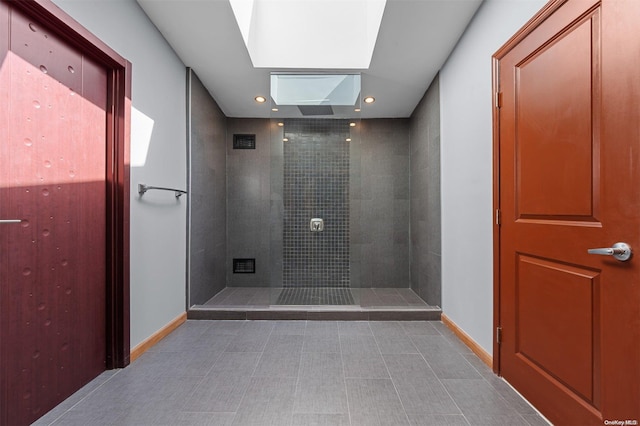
(362, 314)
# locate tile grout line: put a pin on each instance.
(195, 388)
(502, 397)
(244, 394)
(85, 397)
(528, 403)
(404, 410)
(210, 325)
(344, 377)
(482, 377)
(464, 416)
(295, 389)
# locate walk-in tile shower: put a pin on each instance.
(313, 206)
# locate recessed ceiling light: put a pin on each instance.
(352, 124)
(369, 100)
(274, 109)
(357, 110)
(260, 99)
(348, 139)
(281, 124)
(285, 140)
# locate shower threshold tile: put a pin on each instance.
(252, 303)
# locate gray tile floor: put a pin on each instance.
(302, 373)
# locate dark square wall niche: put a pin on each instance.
(244, 141)
(244, 266)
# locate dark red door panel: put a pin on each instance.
(52, 178)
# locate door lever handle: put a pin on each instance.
(621, 251)
(10, 221)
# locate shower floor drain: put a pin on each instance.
(315, 296)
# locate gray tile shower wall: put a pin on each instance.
(380, 204)
(425, 197)
(384, 157)
(207, 194)
(316, 185)
(249, 202)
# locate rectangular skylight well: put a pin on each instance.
(316, 89)
(309, 34)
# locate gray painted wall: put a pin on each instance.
(425, 197)
(249, 202)
(466, 160)
(207, 255)
(380, 203)
(158, 157)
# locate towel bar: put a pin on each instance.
(142, 188)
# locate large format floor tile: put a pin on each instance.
(300, 373)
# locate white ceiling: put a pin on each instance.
(415, 39)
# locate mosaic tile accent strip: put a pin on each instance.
(315, 296)
(316, 185)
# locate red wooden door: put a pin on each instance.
(569, 169)
(52, 179)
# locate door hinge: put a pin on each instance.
(498, 335)
(498, 217)
(498, 99)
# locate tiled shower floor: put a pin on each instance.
(315, 296)
(300, 373)
(370, 304)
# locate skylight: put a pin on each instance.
(309, 34)
(338, 90)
